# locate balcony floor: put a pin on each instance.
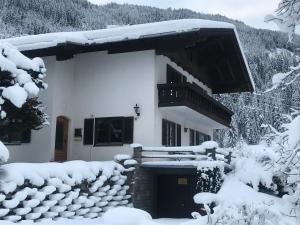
(192, 115)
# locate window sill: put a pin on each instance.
(108, 144)
(12, 144)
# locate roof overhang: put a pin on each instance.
(213, 55)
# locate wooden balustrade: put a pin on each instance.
(180, 153)
(194, 97)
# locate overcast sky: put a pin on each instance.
(252, 12)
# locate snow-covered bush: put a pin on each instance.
(21, 80)
(264, 185)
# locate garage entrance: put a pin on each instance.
(175, 196)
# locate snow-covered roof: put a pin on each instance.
(115, 34)
(86, 40)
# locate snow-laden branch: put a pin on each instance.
(21, 80)
(282, 80)
(287, 16)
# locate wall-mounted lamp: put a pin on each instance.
(137, 110)
(186, 129)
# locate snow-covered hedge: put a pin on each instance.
(69, 190)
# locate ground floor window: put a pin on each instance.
(171, 133)
(108, 131)
(197, 138)
(15, 137)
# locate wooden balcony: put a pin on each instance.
(194, 97)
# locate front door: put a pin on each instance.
(61, 139)
(175, 196)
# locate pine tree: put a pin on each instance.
(21, 79)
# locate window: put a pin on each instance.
(197, 138)
(108, 131)
(174, 77)
(12, 137)
(171, 133)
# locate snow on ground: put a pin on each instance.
(116, 216)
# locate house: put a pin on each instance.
(150, 83)
(167, 71)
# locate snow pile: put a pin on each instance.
(115, 216)
(74, 189)
(26, 76)
(126, 216)
(237, 203)
(4, 154)
(249, 171)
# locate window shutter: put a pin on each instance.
(164, 132)
(178, 137)
(26, 136)
(88, 134)
(128, 130)
(192, 137)
(197, 138)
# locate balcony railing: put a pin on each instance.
(194, 97)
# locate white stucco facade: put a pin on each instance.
(99, 84)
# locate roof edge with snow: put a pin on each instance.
(209, 50)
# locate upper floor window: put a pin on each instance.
(197, 138)
(174, 77)
(171, 133)
(108, 131)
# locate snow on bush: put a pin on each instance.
(4, 154)
(21, 79)
(287, 16)
(21, 70)
(273, 168)
(74, 189)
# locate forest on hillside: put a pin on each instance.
(268, 53)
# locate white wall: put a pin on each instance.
(110, 85)
(99, 84)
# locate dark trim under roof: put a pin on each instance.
(212, 55)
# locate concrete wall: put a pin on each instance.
(99, 84)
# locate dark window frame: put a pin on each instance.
(170, 139)
(126, 129)
(196, 136)
(174, 76)
(88, 131)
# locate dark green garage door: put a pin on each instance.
(175, 196)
